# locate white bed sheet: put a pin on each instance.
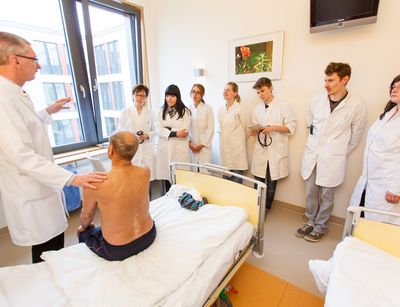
(359, 274)
(63, 280)
(196, 290)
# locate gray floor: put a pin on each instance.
(286, 256)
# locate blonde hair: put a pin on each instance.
(235, 89)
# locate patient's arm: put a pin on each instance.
(89, 205)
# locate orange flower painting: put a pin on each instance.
(254, 58)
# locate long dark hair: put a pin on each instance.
(390, 105)
(173, 90)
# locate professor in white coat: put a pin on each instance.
(336, 122)
(30, 183)
(276, 120)
(379, 184)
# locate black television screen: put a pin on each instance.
(332, 14)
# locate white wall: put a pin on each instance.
(182, 35)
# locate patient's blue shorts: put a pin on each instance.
(93, 238)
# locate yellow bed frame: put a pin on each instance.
(207, 179)
(381, 235)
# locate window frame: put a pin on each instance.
(88, 101)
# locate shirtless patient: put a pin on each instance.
(123, 201)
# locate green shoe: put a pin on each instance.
(303, 230)
(314, 236)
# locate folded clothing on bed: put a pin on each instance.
(188, 202)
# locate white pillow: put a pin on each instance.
(177, 190)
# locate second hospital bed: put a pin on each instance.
(365, 267)
(193, 257)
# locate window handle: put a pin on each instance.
(95, 85)
(82, 88)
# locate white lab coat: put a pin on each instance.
(233, 136)
(335, 136)
(278, 113)
(381, 168)
(30, 183)
(171, 149)
(131, 120)
(202, 132)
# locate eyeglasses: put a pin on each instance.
(196, 92)
(35, 59)
(140, 95)
(396, 85)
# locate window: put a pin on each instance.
(108, 58)
(48, 53)
(66, 131)
(88, 50)
(111, 124)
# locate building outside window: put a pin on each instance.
(97, 78)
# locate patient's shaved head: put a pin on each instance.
(125, 144)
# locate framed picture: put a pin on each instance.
(255, 57)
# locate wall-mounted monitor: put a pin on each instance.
(326, 15)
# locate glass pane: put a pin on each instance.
(115, 63)
(44, 30)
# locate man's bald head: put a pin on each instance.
(125, 144)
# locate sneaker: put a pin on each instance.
(303, 230)
(314, 236)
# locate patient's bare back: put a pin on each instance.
(123, 201)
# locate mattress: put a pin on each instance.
(189, 257)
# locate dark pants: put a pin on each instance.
(165, 185)
(93, 238)
(271, 187)
(234, 179)
(362, 203)
(52, 245)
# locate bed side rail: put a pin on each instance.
(382, 235)
(353, 217)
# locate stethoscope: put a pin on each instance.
(264, 143)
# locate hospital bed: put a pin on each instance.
(365, 267)
(191, 261)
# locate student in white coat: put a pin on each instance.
(270, 161)
(379, 184)
(139, 119)
(173, 127)
(233, 122)
(336, 124)
(202, 127)
(30, 183)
